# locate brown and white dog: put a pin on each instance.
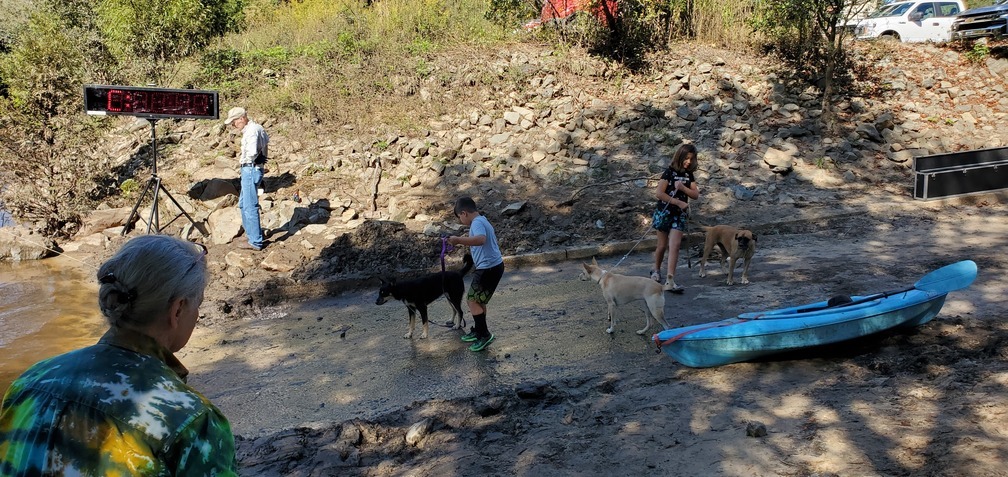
(619, 289)
(734, 243)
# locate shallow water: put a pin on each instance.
(46, 308)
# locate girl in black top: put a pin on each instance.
(676, 187)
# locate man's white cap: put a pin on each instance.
(234, 113)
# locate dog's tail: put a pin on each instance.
(468, 260)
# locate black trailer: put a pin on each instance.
(941, 176)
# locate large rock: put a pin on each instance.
(20, 243)
(225, 225)
(513, 208)
(781, 161)
(869, 131)
(103, 219)
(998, 67)
(280, 261)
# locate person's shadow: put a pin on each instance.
(210, 189)
(275, 183)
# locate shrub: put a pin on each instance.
(45, 143)
(511, 13)
(152, 34)
(979, 53)
(218, 66)
(129, 186)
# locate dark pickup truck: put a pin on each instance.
(981, 22)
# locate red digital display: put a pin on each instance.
(149, 102)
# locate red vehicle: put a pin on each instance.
(555, 10)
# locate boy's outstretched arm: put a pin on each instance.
(469, 241)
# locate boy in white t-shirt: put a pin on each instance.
(482, 243)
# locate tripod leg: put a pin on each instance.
(154, 208)
(198, 226)
(134, 215)
(154, 186)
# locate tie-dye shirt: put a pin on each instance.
(118, 408)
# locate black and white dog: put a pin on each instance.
(420, 292)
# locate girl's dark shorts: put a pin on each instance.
(484, 284)
(664, 220)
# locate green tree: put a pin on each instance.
(42, 133)
(809, 35)
(153, 34)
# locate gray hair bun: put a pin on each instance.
(115, 298)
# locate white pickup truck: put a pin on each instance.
(911, 21)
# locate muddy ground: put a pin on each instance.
(330, 386)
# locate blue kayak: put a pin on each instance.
(753, 335)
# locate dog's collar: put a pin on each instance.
(600, 277)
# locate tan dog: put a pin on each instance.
(619, 289)
(734, 243)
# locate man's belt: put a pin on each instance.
(258, 161)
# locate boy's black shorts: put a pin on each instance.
(484, 284)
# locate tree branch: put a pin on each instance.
(600, 184)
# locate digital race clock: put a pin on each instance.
(152, 103)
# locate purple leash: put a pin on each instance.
(447, 248)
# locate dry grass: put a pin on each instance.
(723, 23)
(346, 63)
(374, 67)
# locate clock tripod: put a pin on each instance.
(153, 187)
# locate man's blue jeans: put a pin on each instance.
(248, 202)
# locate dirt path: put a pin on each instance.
(555, 395)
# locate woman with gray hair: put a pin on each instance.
(122, 406)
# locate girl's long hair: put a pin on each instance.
(680, 157)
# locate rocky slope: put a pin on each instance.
(561, 150)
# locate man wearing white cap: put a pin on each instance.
(254, 152)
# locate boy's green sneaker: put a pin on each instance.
(470, 337)
(481, 343)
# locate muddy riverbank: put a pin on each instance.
(331, 386)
